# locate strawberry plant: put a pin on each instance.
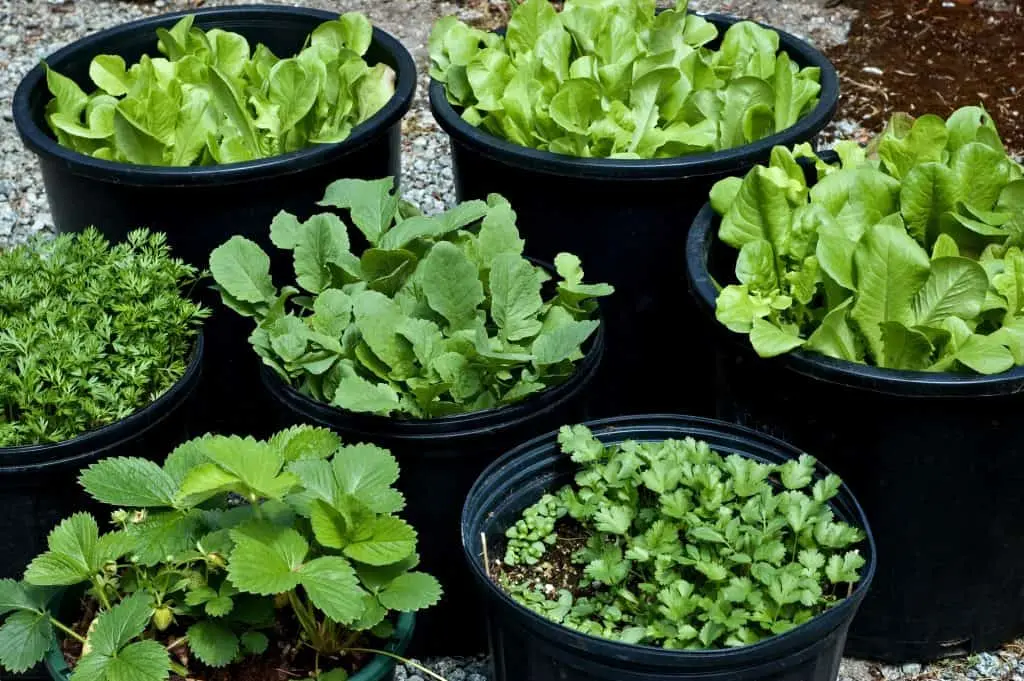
(907, 255)
(214, 99)
(210, 550)
(669, 543)
(89, 332)
(439, 315)
(613, 78)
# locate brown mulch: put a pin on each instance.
(931, 56)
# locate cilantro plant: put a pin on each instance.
(906, 255)
(89, 332)
(214, 99)
(187, 572)
(611, 78)
(439, 315)
(675, 545)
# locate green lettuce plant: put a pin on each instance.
(613, 78)
(439, 315)
(675, 545)
(214, 99)
(215, 552)
(906, 255)
(89, 332)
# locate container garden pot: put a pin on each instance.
(439, 459)
(200, 207)
(934, 458)
(627, 220)
(526, 645)
(379, 668)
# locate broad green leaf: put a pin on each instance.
(141, 661)
(293, 90)
(562, 342)
(378, 319)
(21, 596)
(72, 555)
(761, 209)
(25, 638)
(213, 643)
(128, 481)
(367, 472)
(955, 287)
(928, 191)
(889, 269)
(770, 341)
(372, 204)
(383, 541)
(981, 173)
(834, 337)
(242, 269)
(320, 242)
(305, 442)
(451, 284)
(985, 355)
(108, 71)
(908, 142)
(515, 297)
(904, 348)
(266, 559)
(331, 584)
(115, 628)
(360, 395)
(410, 592)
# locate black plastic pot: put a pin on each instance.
(39, 483)
(934, 457)
(627, 220)
(201, 207)
(525, 645)
(439, 459)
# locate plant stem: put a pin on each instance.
(410, 663)
(175, 644)
(67, 630)
(306, 619)
(101, 593)
(179, 670)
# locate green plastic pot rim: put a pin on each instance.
(378, 669)
(896, 382)
(94, 442)
(621, 170)
(468, 425)
(799, 637)
(47, 148)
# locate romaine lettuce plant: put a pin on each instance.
(672, 544)
(214, 99)
(312, 559)
(89, 332)
(906, 255)
(613, 78)
(439, 315)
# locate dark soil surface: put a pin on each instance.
(934, 56)
(556, 571)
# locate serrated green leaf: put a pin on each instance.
(331, 584)
(72, 555)
(25, 637)
(410, 592)
(128, 481)
(384, 540)
(266, 559)
(141, 661)
(367, 472)
(213, 643)
(254, 642)
(115, 628)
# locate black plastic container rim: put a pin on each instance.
(695, 165)
(41, 143)
(531, 459)
(898, 382)
(28, 458)
(468, 425)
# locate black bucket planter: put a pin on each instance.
(199, 208)
(39, 483)
(440, 459)
(935, 458)
(525, 645)
(627, 220)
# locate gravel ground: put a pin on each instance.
(31, 29)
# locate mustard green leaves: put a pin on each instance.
(212, 98)
(681, 547)
(903, 256)
(612, 78)
(89, 332)
(438, 315)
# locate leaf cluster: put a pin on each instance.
(317, 533)
(613, 78)
(683, 547)
(907, 255)
(213, 99)
(439, 315)
(89, 332)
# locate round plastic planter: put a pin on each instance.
(199, 208)
(38, 483)
(380, 668)
(934, 457)
(439, 459)
(627, 221)
(525, 645)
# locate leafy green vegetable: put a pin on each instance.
(907, 256)
(189, 565)
(612, 78)
(439, 315)
(89, 332)
(681, 547)
(213, 99)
